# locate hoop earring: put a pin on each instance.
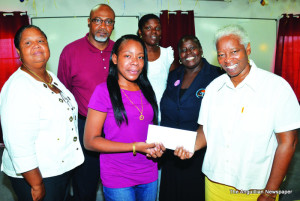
(180, 61)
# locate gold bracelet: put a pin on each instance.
(266, 194)
(133, 149)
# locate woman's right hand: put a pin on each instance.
(152, 150)
(38, 192)
(144, 147)
(157, 151)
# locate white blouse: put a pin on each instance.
(158, 71)
(39, 127)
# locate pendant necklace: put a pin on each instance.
(141, 112)
(50, 78)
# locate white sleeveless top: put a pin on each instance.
(158, 71)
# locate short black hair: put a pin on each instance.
(145, 19)
(18, 35)
(188, 37)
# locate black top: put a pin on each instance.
(183, 180)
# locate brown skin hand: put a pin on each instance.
(287, 142)
(35, 180)
(94, 142)
(199, 144)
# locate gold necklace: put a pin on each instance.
(141, 112)
(50, 78)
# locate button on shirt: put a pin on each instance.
(240, 125)
(82, 67)
(37, 131)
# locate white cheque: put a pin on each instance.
(172, 137)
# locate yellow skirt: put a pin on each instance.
(219, 192)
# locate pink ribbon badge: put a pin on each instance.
(176, 83)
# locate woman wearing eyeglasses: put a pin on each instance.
(180, 105)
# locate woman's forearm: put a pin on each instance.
(200, 140)
(35, 180)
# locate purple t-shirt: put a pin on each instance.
(82, 67)
(119, 170)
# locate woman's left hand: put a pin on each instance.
(183, 153)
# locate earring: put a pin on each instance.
(180, 61)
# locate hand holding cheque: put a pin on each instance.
(183, 142)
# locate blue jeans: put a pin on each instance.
(143, 192)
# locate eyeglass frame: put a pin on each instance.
(106, 21)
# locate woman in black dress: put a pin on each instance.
(183, 180)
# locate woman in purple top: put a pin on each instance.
(123, 107)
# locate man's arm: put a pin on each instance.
(199, 144)
(286, 147)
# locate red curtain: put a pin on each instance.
(287, 60)
(174, 26)
(9, 59)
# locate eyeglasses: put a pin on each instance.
(107, 22)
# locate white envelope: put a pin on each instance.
(172, 137)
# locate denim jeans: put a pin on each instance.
(143, 192)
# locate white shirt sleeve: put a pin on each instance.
(170, 57)
(287, 116)
(204, 109)
(20, 124)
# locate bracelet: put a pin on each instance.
(133, 149)
(268, 195)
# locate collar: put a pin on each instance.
(250, 79)
(206, 67)
(92, 48)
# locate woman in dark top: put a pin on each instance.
(180, 106)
